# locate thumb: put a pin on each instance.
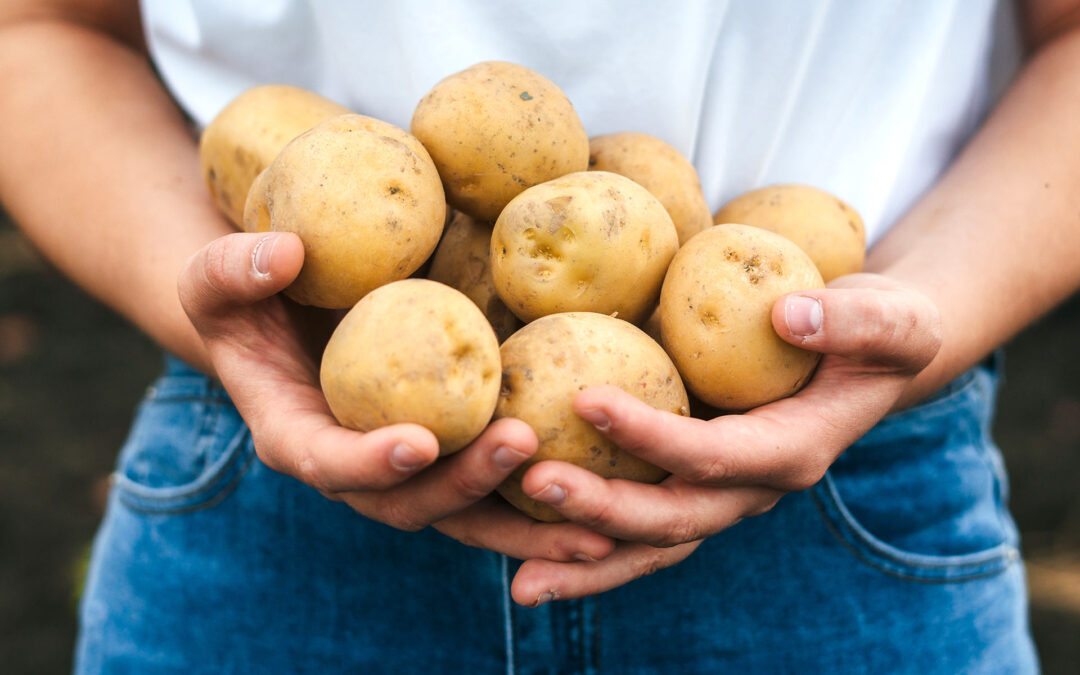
(238, 269)
(895, 327)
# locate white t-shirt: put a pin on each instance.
(867, 99)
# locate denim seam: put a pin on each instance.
(901, 575)
(971, 566)
(887, 551)
(218, 497)
(223, 478)
(595, 617)
(508, 621)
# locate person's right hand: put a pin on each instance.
(265, 350)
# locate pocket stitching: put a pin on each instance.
(897, 562)
(221, 476)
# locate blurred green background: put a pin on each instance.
(71, 373)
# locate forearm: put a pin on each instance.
(101, 172)
(995, 243)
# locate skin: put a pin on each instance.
(889, 338)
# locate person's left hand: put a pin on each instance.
(876, 334)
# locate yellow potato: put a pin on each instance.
(246, 136)
(365, 199)
(715, 316)
(463, 261)
(546, 363)
(591, 241)
(830, 231)
(660, 169)
(414, 351)
(495, 129)
(652, 327)
(256, 209)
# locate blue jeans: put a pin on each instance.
(903, 559)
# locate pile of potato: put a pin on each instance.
(556, 246)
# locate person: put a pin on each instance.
(858, 526)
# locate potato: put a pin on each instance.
(546, 363)
(660, 169)
(495, 129)
(414, 351)
(256, 208)
(830, 231)
(248, 133)
(715, 316)
(365, 199)
(463, 261)
(591, 241)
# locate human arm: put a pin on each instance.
(100, 170)
(988, 250)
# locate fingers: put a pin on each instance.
(494, 525)
(455, 482)
(237, 269)
(787, 444)
(540, 581)
(685, 446)
(332, 459)
(671, 513)
(893, 327)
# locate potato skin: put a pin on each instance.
(463, 261)
(715, 316)
(660, 169)
(495, 129)
(546, 363)
(245, 137)
(828, 229)
(366, 200)
(591, 241)
(256, 208)
(414, 351)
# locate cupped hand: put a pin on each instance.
(876, 335)
(265, 350)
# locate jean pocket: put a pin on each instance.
(187, 448)
(922, 495)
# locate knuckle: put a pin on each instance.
(310, 473)
(399, 515)
(596, 515)
(649, 563)
(679, 532)
(758, 509)
(216, 263)
(715, 469)
(469, 486)
(805, 477)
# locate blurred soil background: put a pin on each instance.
(71, 374)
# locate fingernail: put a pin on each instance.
(507, 458)
(545, 597)
(584, 557)
(551, 494)
(404, 458)
(803, 315)
(597, 417)
(260, 255)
